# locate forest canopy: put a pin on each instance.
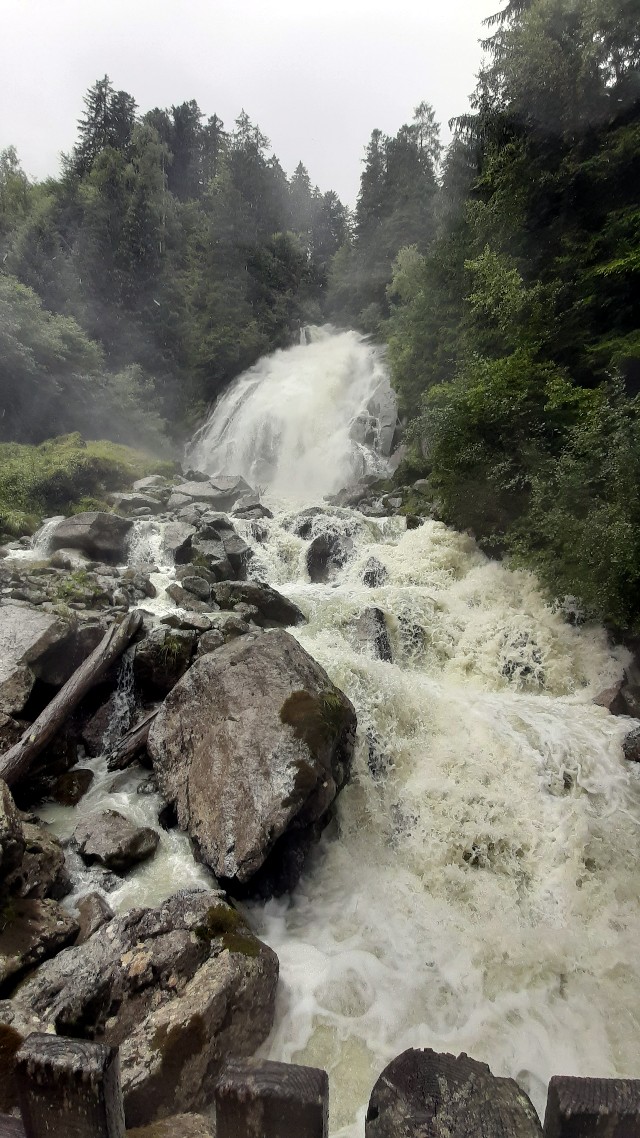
(504, 274)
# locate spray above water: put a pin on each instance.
(306, 421)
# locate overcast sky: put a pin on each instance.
(316, 75)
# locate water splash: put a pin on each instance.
(306, 421)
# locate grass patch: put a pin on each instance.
(65, 475)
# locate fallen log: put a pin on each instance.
(16, 762)
(131, 744)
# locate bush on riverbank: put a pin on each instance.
(63, 475)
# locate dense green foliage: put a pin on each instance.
(168, 256)
(64, 475)
(515, 336)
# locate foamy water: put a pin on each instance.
(478, 887)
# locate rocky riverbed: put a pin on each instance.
(215, 749)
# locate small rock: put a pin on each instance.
(186, 621)
(186, 600)
(69, 788)
(327, 553)
(631, 746)
(112, 840)
(162, 658)
(374, 574)
(198, 586)
(371, 633)
(210, 641)
(93, 913)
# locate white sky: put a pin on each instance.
(316, 75)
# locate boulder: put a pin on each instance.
(196, 585)
(31, 931)
(327, 553)
(208, 552)
(271, 605)
(162, 658)
(210, 641)
(112, 840)
(186, 600)
(196, 622)
(151, 484)
(42, 871)
(176, 541)
(127, 503)
(70, 559)
(426, 1093)
(94, 730)
(93, 913)
(11, 730)
(251, 513)
(71, 786)
(100, 535)
(178, 989)
(252, 746)
(26, 637)
(12, 840)
(371, 634)
(217, 492)
(374, 574)
(631, 746)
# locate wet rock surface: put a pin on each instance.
(26, 638)
(371, 634)
(100, 535)
(272, 607)
(112, 840)
(177, 988)
(31, 931)
(255, 741)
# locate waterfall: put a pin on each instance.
(478, 887)
(306, 421)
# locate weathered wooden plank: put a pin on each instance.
(586, 1108)
(423, 1092)
(69, 1087)
(259, 1099)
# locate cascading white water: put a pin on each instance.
(303, 422)
(478, 888)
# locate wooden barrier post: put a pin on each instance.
(258, 1099)
(69, 1087)
(592, 1108)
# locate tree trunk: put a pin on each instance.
(130, 745)
(15, 764)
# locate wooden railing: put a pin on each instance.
(70, 1088)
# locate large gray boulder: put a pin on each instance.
(100, 535)
(112, 840)
(31, 930)
(178, 989)
(252, 746)
(176, 541)
(27, 637)
(272, 607)
(162, 658)
(218, 492)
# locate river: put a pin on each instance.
(478, 887)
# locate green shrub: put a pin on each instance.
(65, 475)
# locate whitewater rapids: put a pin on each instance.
(478, 888)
